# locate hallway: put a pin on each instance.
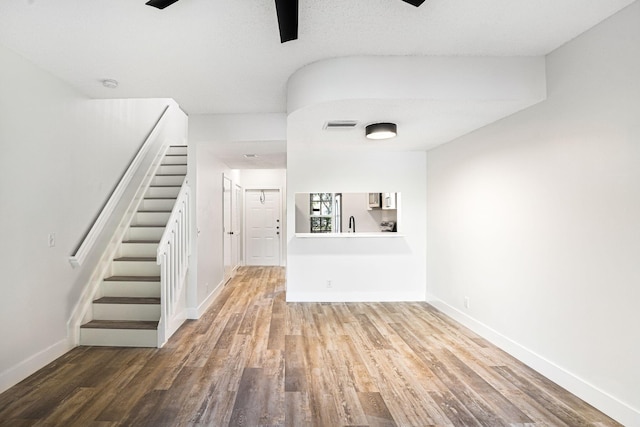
(254, 360)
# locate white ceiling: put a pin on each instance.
(225, 56)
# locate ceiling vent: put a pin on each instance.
(340, 124)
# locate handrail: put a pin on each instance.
(173, 258)
(91, 237)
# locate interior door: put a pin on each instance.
(263, 227)
(227, 231)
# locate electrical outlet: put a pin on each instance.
(466, 302)
(329, 284)
(52, 240)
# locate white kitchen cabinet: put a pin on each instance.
(388, 200)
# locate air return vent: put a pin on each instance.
(340, 124)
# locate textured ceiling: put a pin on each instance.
(224, 56)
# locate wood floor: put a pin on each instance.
(254, 360)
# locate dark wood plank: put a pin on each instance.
(121, 324)
(251, 392)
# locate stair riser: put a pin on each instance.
(151, 218)
(139, 249)
(119, 337)
(157, 204)
(131, 289)
(172, 169)
(126, 311)
(144, 233)
(178, 149)
(135, 268)
(167, 180)
(174, 160)
(162, 192)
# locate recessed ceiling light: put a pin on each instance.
(381, 130)
(250, 156)
(110, 83)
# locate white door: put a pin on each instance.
(263, 227)
(227, 230)
(237, 226)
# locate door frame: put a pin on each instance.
(227, 250)
(238, 224)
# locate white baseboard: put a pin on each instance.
(591, 394)
(22, 370)
(293, 296)
(196, 312)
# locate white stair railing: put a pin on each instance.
(173, 259)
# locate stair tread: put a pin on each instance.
(121, 324)
(132, 279)
(173, 164)
(146, 226)
(165, 186)
(141, 241)
(136, 258)
(170, 174)
(127, 300)
(169, 154)
(152, 211)
(160, 198)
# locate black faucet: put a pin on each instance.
(352, 224)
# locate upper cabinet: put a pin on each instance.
(388, 200)
(374, 201)
(385, 201)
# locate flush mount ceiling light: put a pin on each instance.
(110, 83)
(250, 156)
(381, 130)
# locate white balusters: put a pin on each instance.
(173, 258)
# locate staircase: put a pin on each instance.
(127, 308)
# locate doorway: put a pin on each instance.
(263, 227)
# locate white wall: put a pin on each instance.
(62, 154)
(536, 219)
(301, 212)
(361, 269)
(207, 267)
(237, 127)
(258, 179)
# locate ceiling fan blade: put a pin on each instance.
(416, 3)
(160, 4)
(287, 11)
